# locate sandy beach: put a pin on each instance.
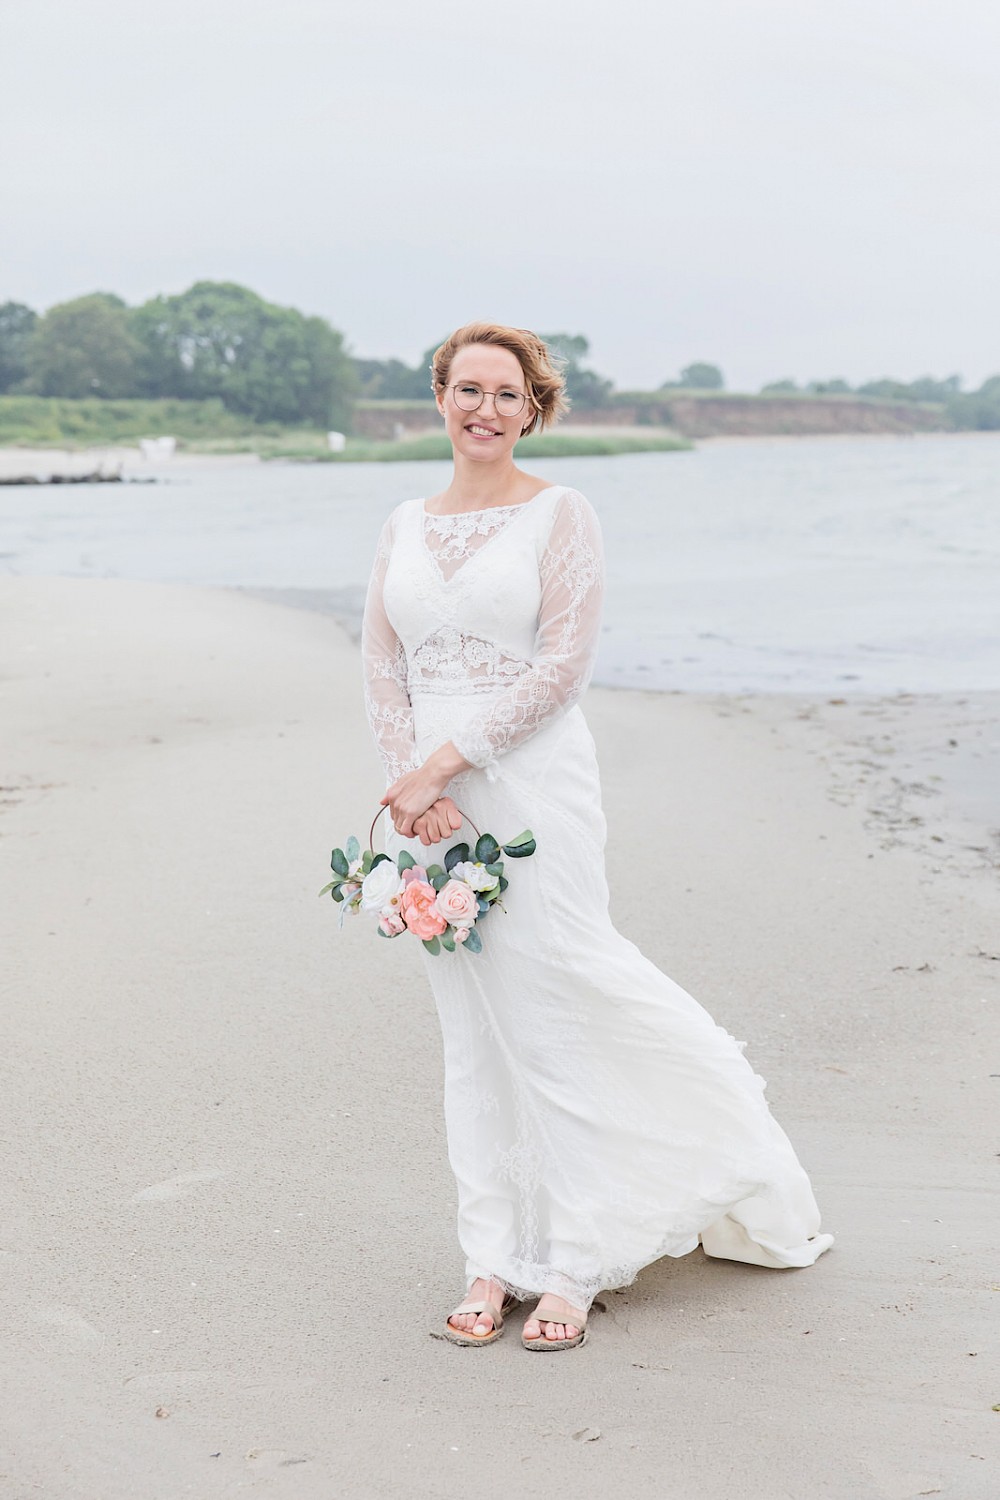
(227, 1224)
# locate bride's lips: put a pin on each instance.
(481, 432)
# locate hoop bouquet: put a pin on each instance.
(440, 904)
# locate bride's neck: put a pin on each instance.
(479, 484)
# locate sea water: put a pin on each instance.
(846, 564)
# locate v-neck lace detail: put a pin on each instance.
(452, 539)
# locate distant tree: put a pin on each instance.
(892, 390)
(697, 377)
(17, 326)
(272, 363)
(829, 388)
(392, 380)
(83, 348)
(584, 387)
(977, 409)
(778, 387)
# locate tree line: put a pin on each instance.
(275, 364)
(217, 339)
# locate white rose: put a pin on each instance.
(382, 882)
(474, 873)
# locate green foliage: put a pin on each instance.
(829, 388)
(17, 327)
(977, 410)
(457, 854)
(219, 339)
(437, 446)
(697, 377)
(487, 849)
(391, 380)
(522, 846)
(779, 388)
(583, 387)
(63, 422)
(83, 348)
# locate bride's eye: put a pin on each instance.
(470, 390)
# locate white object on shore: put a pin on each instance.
(158, 449)
(336, 442)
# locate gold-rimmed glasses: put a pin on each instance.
(470, 397)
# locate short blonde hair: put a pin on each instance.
(546, 386)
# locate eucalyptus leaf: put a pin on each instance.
(473, 942)
(527, 837)
(457, 854)
(328, 888)
(447, 941)
(405, 861)
(496, 868)
(366, 862)
(520, 851)
(439, 881)
(433, 870)
(487, 848)
(377, 861)
(336, 892)
(431, 944)
(352, 848)
(504, 883)
(481, 904)
(338, 862)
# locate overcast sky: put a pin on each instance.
(788, 189)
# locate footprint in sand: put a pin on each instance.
(175, 1187)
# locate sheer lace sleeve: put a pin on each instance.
(569, 620)
(387, 702)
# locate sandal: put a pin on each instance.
(543, 1343)
(467, 1336)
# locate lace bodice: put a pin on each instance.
(505, 603)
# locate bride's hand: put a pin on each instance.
(438, 822)
(415, 792)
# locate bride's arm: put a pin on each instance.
(387, 701)
(569, 621)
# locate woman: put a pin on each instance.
(597, 1117)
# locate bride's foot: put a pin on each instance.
(543, 1324)
(479, 1291)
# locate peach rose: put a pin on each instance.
(456, 902)
(417, 909)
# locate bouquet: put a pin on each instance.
(439, 904)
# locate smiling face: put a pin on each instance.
(484, 434)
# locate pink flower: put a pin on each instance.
(456, 901)
(416, 907)
(414, 872)
(391, 924)
(460, 934)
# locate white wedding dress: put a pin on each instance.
(597, 1117)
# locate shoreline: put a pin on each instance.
(924, 767)
(33, 459)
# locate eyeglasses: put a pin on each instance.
(471, 397)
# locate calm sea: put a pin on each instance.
(848, 564)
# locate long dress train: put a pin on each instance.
(597, 1117)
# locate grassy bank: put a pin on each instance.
(57, 422)
(436, 445)
(207, 427)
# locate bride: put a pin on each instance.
(597, 1117)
